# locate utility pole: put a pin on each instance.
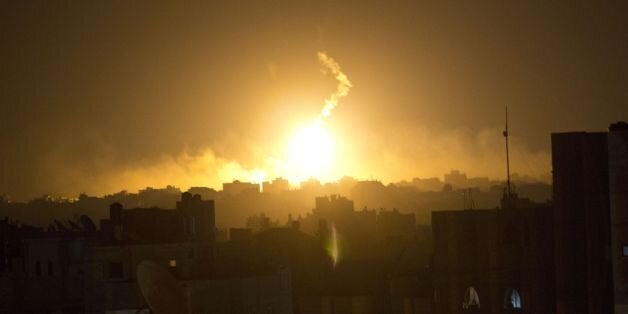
(508, 184)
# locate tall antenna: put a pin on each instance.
(508, 185)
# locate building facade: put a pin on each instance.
(582, 235)
(493, 261)
(618, 192)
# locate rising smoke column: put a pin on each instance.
(343, 83)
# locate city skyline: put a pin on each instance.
(313, 157)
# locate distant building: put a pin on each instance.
(236, 187)
(163, 197)
(459, 180)
(240, 235)
(276, 186)
(205, 192)
(192, 220)
(366, 234)
(428, 184)
(258, 223)
(333, 208)
(456, 178)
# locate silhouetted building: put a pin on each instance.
(459, 180)
(276, 186)
(582, 223)
(493, 261)
(192, 220)
(112, 271)
(43, 271)
(236, 187)
(393, 224)
(618, 192)
(205, 192)
(161, 197)
(428, 184)
(180, 239)
(258, 223)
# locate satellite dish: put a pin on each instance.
(160, 289)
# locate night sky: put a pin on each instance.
(102, 96)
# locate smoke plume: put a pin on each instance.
(343, 83)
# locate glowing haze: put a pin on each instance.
(111, 95)
(312, 149)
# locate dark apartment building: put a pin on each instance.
(618, 192)
(380, 265)
(493, 260)
(591, 213)
(192, 220)
(180, 243)
(582, 223)
(42, 270)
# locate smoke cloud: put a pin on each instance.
(391, 156)
(107, 164)
(388, 157)
(343, 83)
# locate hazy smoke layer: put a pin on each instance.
(408, 152)
(387, 157)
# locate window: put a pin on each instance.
(50, 270)
(173, 263)
(512, 299)
(471, 299)
(625, 251)
(116, 271)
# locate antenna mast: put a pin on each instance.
(508, 185)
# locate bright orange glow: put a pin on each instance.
(310, 153)
(258, 176)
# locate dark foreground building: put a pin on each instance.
(493, 261)
(582, 223)
(193, 220)
(591, 215)
(42, 270)
(567, 257)
(618, 192)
